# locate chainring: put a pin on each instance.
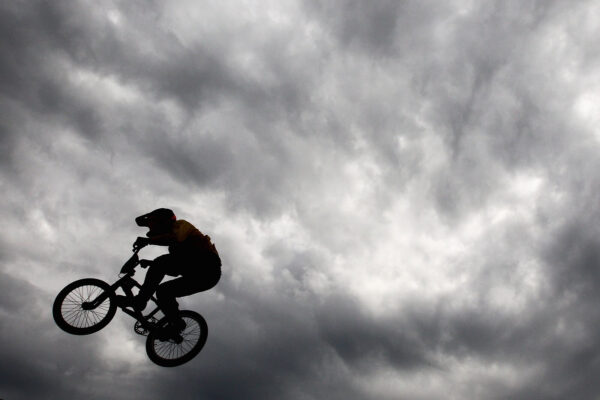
(140, 330)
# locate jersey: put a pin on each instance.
(190, 239)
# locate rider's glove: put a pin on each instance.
(141, 242)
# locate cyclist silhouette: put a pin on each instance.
(192, 256)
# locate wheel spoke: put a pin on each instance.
(73, 313)
(170, 351)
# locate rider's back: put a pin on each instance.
(189, 239)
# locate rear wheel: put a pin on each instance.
(72, 309)
(182, 347)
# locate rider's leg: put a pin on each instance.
(160, 267)
(187, 284)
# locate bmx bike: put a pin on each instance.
(88, 305)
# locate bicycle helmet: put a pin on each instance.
(160, 216)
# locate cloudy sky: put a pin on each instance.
(404, 193)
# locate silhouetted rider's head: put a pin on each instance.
(158, 221)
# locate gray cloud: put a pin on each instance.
(404, 194)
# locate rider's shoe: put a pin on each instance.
(172, 330)
(178, 324)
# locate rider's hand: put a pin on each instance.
(141, 242)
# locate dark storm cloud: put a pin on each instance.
(344, 110)
(571, 251)
(381, 28)
(466, 82)
(157, 61)
(50, 42)
(31, 75)
(38, 363)
(371, 340)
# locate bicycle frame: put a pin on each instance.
(126, 283)
(167, 345)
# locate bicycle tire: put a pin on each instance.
(168, 353)
(72, 318)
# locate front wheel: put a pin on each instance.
(74, 311)
(173, 352)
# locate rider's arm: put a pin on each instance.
(165, 239)
(180, 231)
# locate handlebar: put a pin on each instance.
(136, 249)
(134, 261)
(129, 266)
